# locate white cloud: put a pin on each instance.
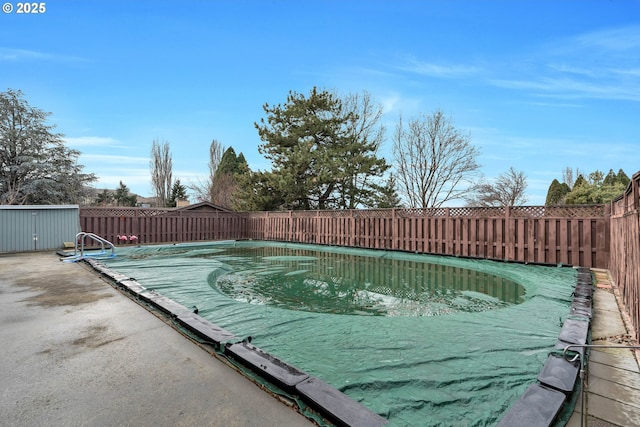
(10, 54)
(611, 39)
(92, 141)
(567, 88)
(439, 70)
(114, 159)
(135, 181)
(597, 65)
(395, 103)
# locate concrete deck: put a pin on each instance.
(76, 352)
(613, 375)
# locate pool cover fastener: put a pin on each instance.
(205, 329)
(268, 366)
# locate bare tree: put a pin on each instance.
(365, 135)
(215, 155)
(161, 171)
(433, 160)
(203, 189)
(569, 175)
(507, 190)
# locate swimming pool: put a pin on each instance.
(421, 340)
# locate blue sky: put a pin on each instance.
(540, 85)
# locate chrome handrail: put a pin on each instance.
(82, 235)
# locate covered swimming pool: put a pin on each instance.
(420, 340)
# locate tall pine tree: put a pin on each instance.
(321, 157)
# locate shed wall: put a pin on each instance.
(28, 228)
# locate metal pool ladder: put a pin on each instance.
(79, 248)
(583, 368)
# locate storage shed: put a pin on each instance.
(37, 227)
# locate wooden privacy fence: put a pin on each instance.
(162, 225)
(625, 248)
(574, 235)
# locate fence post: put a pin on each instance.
(290, 226)
(508, 234)
(447, 232)
(135, 229)
(352, 227)
(394, 230)
(603, 236)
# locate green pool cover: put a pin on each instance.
(421, 340)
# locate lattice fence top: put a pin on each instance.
(305, 214)
(413, 212)
(373, 213)
(527, 211)
(483, 212)
(575, 211)
(152, 212)
(123, 212)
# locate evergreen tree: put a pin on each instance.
(388, 195)
(319, 157)
(225, 182)
(178, 192)
(556, 193)
(610, 179)
(258, 191)
(35, 165)
(104, 198)
(606, 193)
(598, 189)
(580, 181)
(228, 162)
(596, 178)
(123, 197)
(622, 178)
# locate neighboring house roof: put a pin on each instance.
(204, 206)
(149, 200)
